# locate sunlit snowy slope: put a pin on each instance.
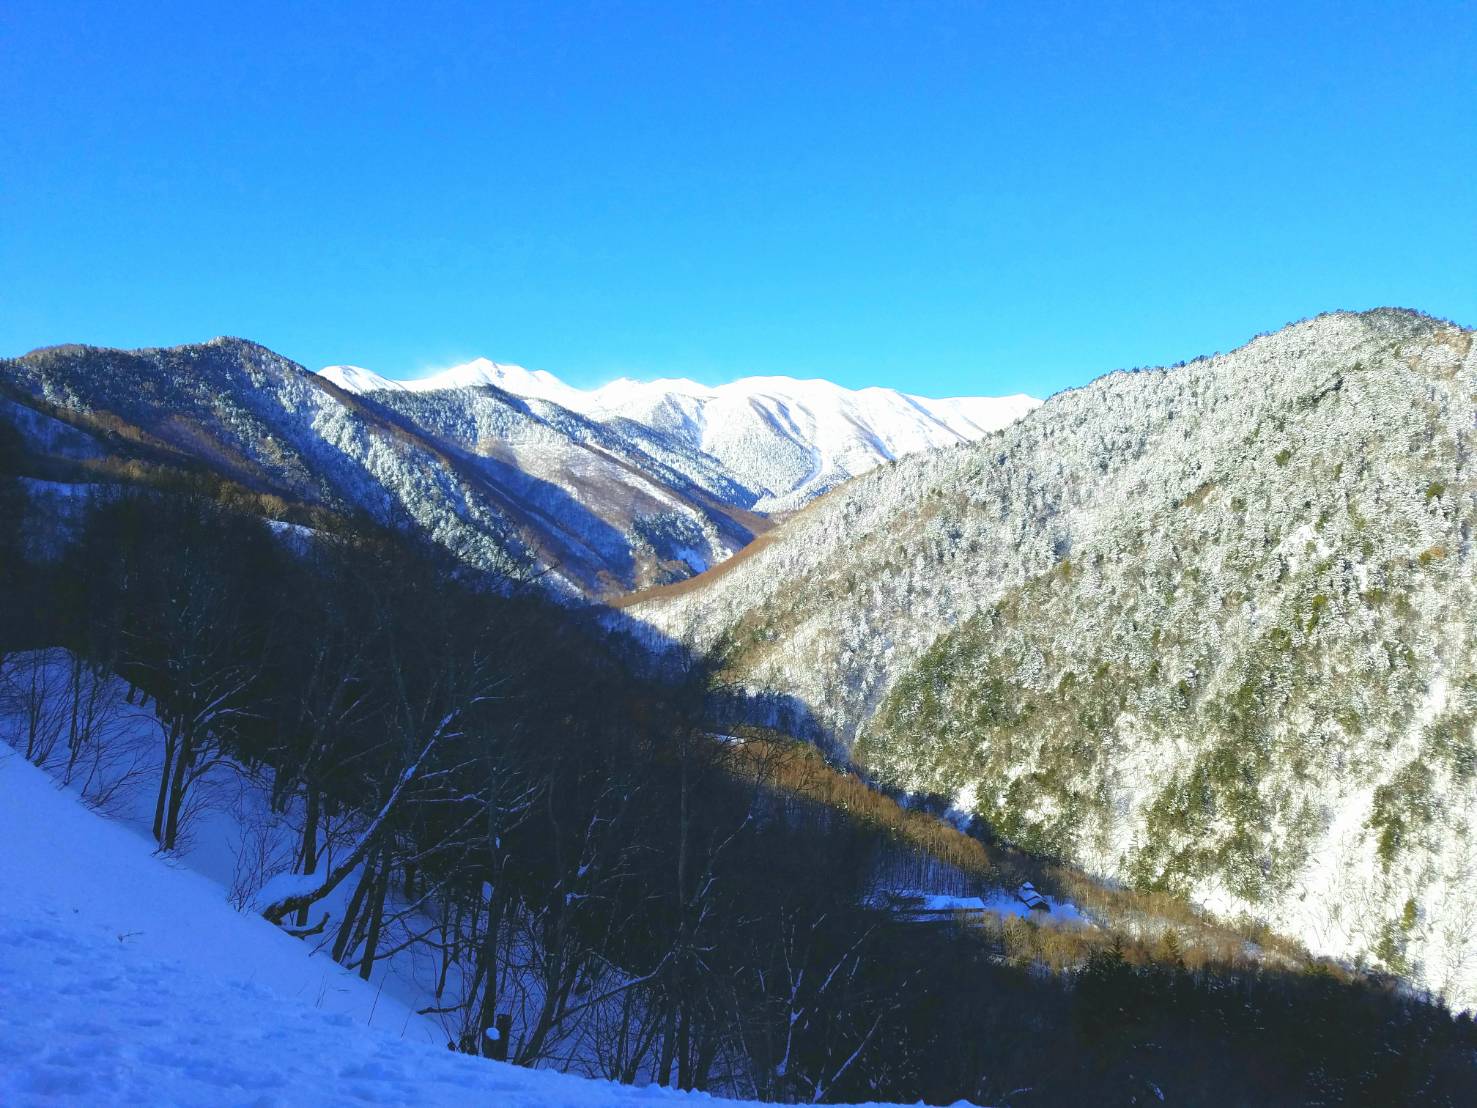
(1206, 629)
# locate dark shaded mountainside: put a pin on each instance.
(1206, 629)
(516, 488)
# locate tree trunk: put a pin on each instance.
(351, 915)
(377, 915)
(74, 724)
(310, 845)
(276, 913)
(497, 1049)
(171, 743)
(182, 763)
(488, 959)
(449, 944)
(707, 1054)
(684, 1046)
(645, 1036)
(669, 1043)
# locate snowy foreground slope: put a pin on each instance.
(124, 979)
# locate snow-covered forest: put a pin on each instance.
(513, 473)
(126, 978)
(1204, 629)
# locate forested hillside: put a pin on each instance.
(1205, 629)
(592, 494)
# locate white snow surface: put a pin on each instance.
(479, 373)
(786, 439)
(999, 902)
(125, 979)
(356, 379)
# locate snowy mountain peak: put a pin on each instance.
(352, 378)
(786, 439)
(536, 384)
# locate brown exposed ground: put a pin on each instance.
(692, 584)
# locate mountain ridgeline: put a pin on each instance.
(1205, 629)
(784, 441)
(512, 472)
(507, 489)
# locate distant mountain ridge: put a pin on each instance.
(786, 440)
(484, 460)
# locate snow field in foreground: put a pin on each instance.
(124, 980)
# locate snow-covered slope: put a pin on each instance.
(1205, 629)
(519, 487)
(786, 440)
(791, 440)
(479, 373)
(356, 379)
(127, 980)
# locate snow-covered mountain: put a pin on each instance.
(479, 373)
(518, 487)
(786, 440)
(1205, 629)
(593, 492)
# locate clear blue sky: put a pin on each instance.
(944, 197)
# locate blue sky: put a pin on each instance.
(943, 197)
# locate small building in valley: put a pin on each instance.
(1032, 899)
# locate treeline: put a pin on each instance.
(478, 781)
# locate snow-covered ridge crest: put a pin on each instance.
(786, 439)
(479, 373)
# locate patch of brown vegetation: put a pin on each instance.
(1146, 927)
(696, 582)
(1198, 497)
(799, 769)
